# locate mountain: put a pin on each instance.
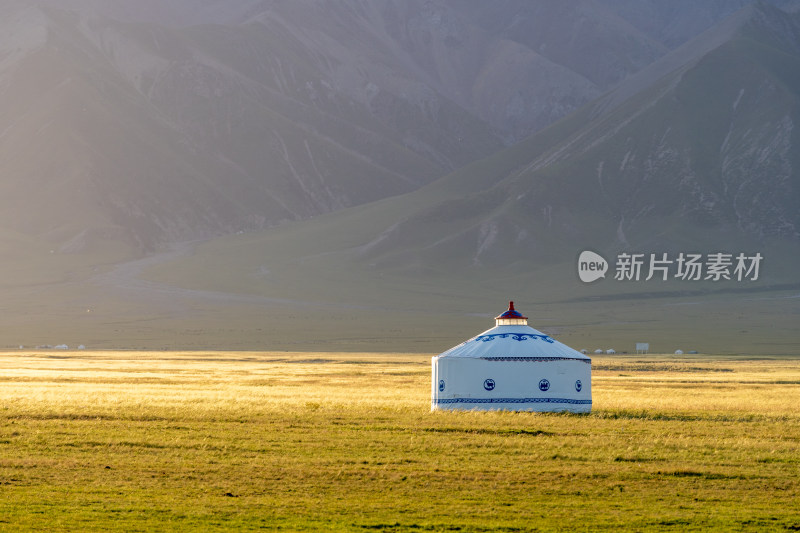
(154, 122)
(117, 130)
(674, 23)
(707, 147)
(694, 155)
(373, 161)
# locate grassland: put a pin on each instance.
(160, 441)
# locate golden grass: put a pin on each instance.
(100, 382)
(734, 386)
(149, 441)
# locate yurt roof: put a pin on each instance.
(513, 341)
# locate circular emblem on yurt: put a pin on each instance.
(488, 384)
(441, 385)
(578, 385)
(544, 385)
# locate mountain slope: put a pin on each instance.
(150, 134)
(709, 147)
(158, 122)
(700, 161)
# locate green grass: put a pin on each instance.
(245, 441)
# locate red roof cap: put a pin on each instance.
(511, 313)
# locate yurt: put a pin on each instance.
(513, 367)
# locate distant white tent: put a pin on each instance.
(513, 367)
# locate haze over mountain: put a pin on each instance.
(175, 120)
(479, 140)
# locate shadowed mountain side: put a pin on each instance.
(675, 22)
(586, 36)
(706, 154)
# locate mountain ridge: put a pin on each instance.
(536, 195)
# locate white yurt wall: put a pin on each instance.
(513, 367)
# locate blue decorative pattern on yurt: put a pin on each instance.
(513, 400)
(536, 359)
(515, 336)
